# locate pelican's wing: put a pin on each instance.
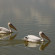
(3, 29)
(33, 37)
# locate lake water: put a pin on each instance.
(29, 17)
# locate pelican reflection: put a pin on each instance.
(3, 36)
(10, 36)
(11, 41)
(14, 42)
(42, 45)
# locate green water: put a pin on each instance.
(29, 17)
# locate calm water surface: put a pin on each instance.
(29, 17)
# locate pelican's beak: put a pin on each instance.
(11, 26)
(44, 36)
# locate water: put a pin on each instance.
(29, 17)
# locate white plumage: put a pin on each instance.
(34, 38)
(4, 30)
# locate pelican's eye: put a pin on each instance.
(26, 37)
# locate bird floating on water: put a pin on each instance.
(34, 38)
(4, 30)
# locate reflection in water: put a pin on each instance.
(4, 41)
(2, 36)
(13, 42)
(36, 44)
(43, 45)
(13, 36)
(9, 35)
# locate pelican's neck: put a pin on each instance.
(9, 28)
(41, 38)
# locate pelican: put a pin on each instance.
(4, 30)
(34, 38)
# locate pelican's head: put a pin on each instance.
(40, 32)
(43, 35)
(11, 26)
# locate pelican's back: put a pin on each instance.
(3, 30)
(32, 38)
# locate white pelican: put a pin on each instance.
(4, 30)
(34, 38)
